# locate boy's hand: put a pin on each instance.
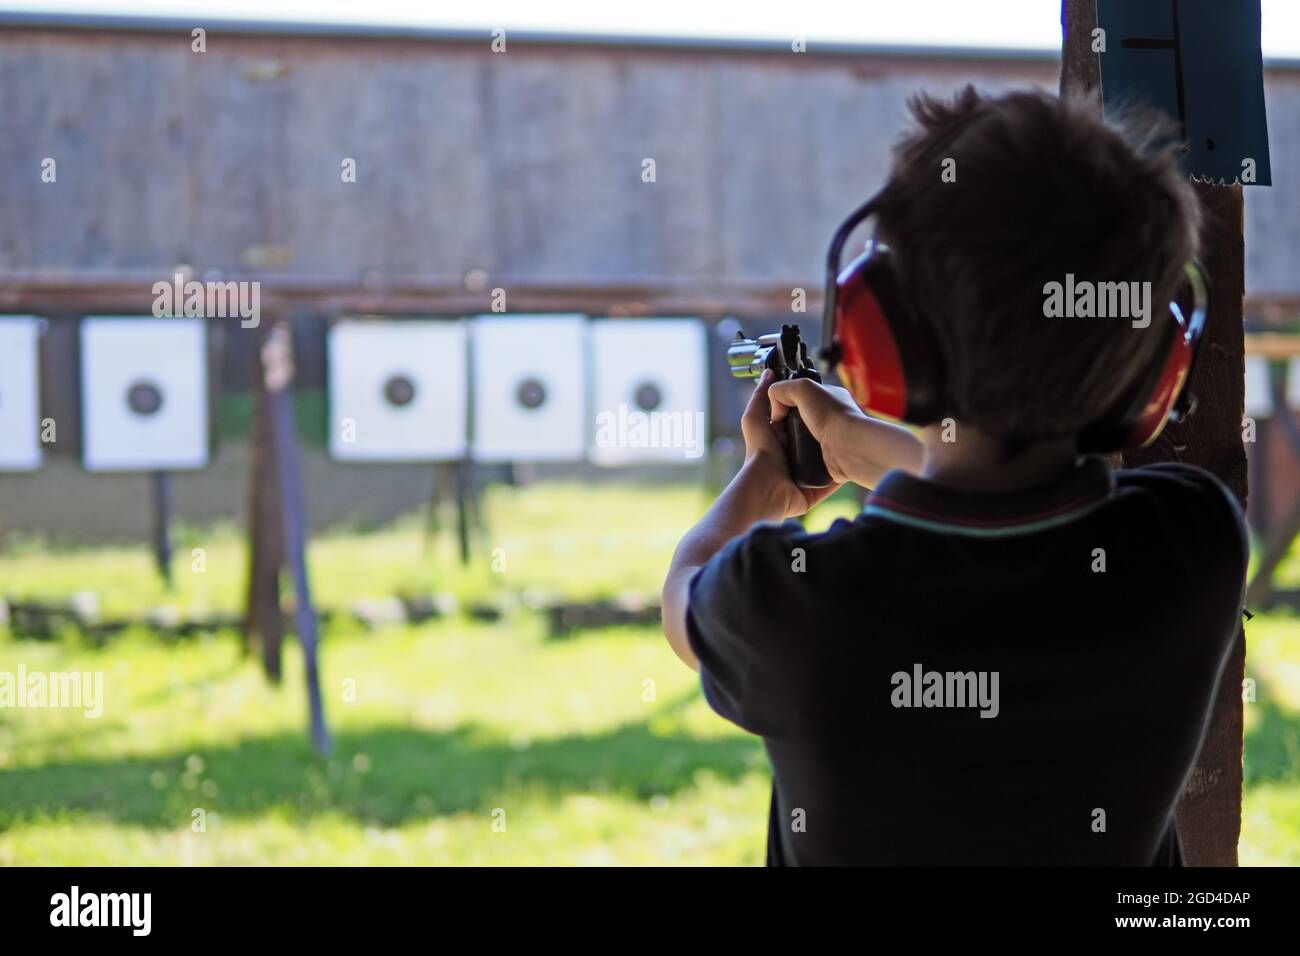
(855, 447)
(761, 491)
(765, 459)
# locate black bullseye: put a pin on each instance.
(144, 398)
(399, 390)
(647, 396)
(531, 393)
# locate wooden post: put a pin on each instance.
(161, 487)
(1277, 532)
(264, 620)
(464, 490)
(459, 480)
(1209, 811)
(277, 361)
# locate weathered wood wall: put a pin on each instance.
(526, 164)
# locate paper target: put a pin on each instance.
(1293, 384)
(144, 393)
(20, 413)
(529, 388)
(398, 390)
(1259, 392)
(650, 391)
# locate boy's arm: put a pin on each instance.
(761, 491)
(856, 448)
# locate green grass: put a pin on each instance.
(1271, 802)
(598, 748)
(449, 723)
(578, 541)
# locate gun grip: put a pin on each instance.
(804, 455)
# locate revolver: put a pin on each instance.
(786, 354)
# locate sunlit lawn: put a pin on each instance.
(456, 741)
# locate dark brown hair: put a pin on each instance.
(1043, 187)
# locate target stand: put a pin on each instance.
(277, 523)
(456, 483)
(145, 406)
(398, 393)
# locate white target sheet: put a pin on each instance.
(530, 387)
(144, 393)
(398, 390)
(20, 393)
(649, 391)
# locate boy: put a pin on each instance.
(1009, 656)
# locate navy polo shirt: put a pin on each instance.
(966, 678)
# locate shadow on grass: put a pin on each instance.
(381, 776)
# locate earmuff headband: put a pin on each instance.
(891, 371)
(1193, 330)
(829, 351)
(1164, 394)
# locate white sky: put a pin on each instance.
(1028, 24)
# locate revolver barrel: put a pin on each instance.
(748, 357)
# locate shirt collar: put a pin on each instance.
(922, 503)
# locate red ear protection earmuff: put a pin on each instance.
(1162, 395)
(890, 364)
(884, 357)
